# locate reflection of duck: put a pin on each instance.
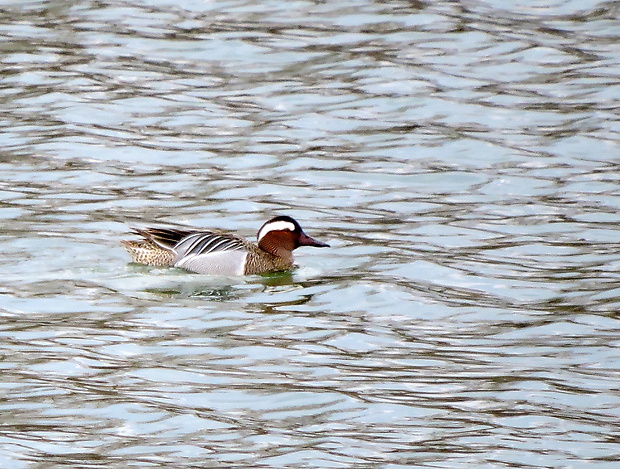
(219, 253)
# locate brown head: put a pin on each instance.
(281, 235)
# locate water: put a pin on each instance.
(462, 159)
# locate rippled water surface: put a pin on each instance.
(462, 159)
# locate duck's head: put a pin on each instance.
(281, 235)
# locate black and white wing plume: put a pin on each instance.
(209, 252)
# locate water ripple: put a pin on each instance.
(461, 159)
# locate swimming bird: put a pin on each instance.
(216, 252)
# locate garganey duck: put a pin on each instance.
(219, 253)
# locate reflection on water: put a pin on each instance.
(213, 288)
(461, 159)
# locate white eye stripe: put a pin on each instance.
(275, 226)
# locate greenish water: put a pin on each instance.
(462, 159)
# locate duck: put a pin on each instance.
(215, 252)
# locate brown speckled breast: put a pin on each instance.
(260, 262)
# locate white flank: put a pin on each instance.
(215, 263)
(275, 226)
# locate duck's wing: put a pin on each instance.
(210, 252)
(166, 238)
(205, 242)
